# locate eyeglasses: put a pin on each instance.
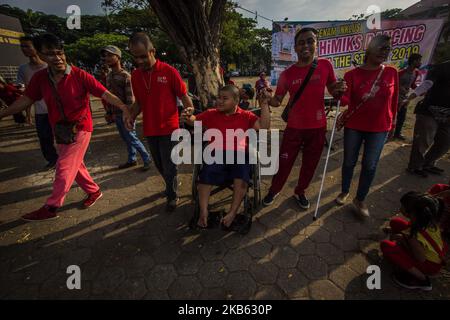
(59, 53)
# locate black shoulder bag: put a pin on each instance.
(291, 103)
(65, 131)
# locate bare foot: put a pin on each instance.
(203, 220)
(228, 219)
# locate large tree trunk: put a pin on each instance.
(195, 27)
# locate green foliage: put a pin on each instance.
(242, 43)
(88, 49)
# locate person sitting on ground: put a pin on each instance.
(416, 247)
(227, 115)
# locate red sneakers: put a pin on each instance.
(92, 198)
(43, 214)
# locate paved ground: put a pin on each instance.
(128, 247)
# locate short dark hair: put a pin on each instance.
(233, 90)
(414, 57)
(303, 30)
(142, 38)
(26, 38)
(49, 41)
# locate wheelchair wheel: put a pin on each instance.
(196, 215)
(256, 185)
(195, 174)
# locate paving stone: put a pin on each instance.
(312, 267)
(213, 274)
(277, 237)
(269, 293)
(240, 285)
(317, 234)
(188, 263)
(346, 279)
(131, 289)
(108, 280)
(344, 241)
(213, 251)
(357, 262)
(138, 266)
(76, 257)
(161, 277)
(330, 253)
(214, 294)
(40, 272)
(166, 253)
(285, 257)
(185, 288)
(303, 245)
(264, 272)
(259, 249)
(293, 283)
(325, 290)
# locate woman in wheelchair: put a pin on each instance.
(227, 115)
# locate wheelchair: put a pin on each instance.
(252, 201)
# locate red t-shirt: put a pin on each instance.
(309, 110)
(241, 119)
(157, 97)
(379, 112)
(74, 89)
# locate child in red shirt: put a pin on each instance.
(416, 246)
(227, 115)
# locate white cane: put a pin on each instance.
(326, 160)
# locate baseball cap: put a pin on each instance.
(114, 50)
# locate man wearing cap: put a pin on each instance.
(118, 81)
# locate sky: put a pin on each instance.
(294, 10)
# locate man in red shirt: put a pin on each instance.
(307, 121)
(73, 87)
(156, 86)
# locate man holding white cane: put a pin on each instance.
(306, 122)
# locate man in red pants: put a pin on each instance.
(307, 122)
(70, 86)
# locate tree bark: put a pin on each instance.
(195, 27)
